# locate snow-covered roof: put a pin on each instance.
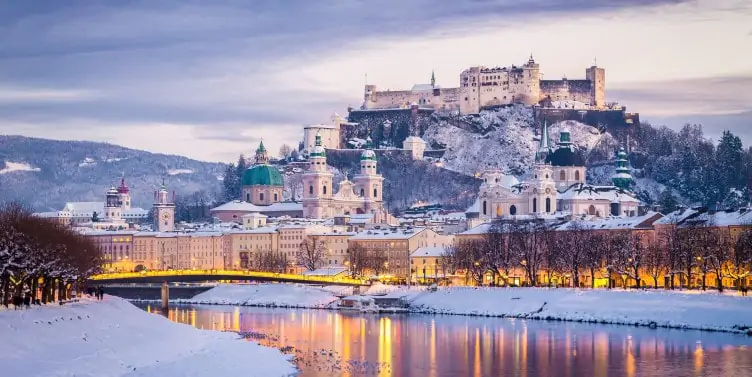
(88, 207)
(478, 229)
(613, 223)
(422, 88)
(387, 234)
(677, 217)
(588, 192)
(264, 230)
(724, 218)
(237, 205)
(474, 208)
(253, 215)
(320, 126)
(429, 252)
(327, 271)
(414, 139)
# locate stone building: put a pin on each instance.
(481, 87)
(262, 184)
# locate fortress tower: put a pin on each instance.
(597, 77)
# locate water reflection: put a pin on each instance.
(331, 343)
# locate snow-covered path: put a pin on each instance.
(114, 338)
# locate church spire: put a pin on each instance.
(262, 157)
(544, 147)
(622, 179)
(433, 78)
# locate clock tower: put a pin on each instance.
(164, 210)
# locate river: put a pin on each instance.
(329, 343)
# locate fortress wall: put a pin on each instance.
(438, 98)
(615, 121)
(563, 90)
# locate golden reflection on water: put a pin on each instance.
(343, 344)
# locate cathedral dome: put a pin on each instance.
(564, 156)
(262, 175)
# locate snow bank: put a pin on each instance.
(11, 167)
(280, 295)
(114, 338)
(646, 308)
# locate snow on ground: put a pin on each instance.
(114, 338)
(284, 295)
(179, 171)
(508, 142)
(705, 311)
(17, 166)
(88, 161)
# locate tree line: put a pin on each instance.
(671, 256)
(40, 257)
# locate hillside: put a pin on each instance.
(47, 173)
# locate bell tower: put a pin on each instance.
(369, 184)
(164, 210)
(317, 184)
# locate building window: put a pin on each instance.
(484, 208)
(375, 193)
(362, 193)
(275, 197)
(548, 205)
(512, 210)
(577, 175)
(247, 197)
(324, 189)
(562, 176)
(591, 210)
(261, 196)
(310, 190)
(535, 205)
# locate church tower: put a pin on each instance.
(164, 210)
(544, 147)
(317, 184)
(369, 184)
(124, 195)
(541, 191)
(113, 212)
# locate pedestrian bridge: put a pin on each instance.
(184, 276)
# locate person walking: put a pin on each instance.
(100, 293)
(27, 300)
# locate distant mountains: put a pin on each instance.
(45, 174)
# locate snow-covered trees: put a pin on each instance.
(38, 253)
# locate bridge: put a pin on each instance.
(186, 276)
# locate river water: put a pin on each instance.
(329, 343)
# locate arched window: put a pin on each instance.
(275, 197)
(562, 176)
(484, 208)
(577, 175)
(375, 193)
(498, 211)
(247, 197)
(513, 210)
(324, 189)
(310, 190)
(535, 205)
(548, 205)
(261, 196)
(591, 210)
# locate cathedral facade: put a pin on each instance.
(556, 185)
(364, 195)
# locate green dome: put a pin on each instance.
(262, 175)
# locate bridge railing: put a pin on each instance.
(230, 274)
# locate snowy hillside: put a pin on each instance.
(505, 139)
(46, 174)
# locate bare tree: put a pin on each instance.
(312, 253)
(716, 253)
(552, 252)
(466, 256)
(631, 257)
(740, 260)
(527, 240)
(285, 151)
(497, 257)
(357, 259)
(271, 261)
(670, 239)
(594, 254)
(654, 262)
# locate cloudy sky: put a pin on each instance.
(207, 79)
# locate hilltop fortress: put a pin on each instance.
(483, 87)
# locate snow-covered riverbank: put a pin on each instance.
(114, 338)
(701, 311)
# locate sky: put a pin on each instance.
(209, 79)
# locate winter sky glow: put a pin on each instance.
(208, 79)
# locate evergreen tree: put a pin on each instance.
(229, 184)
(729, 163)
(240, 169)
(95, 217)
(667, 201)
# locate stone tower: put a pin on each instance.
(317, 184)
(369, 184)
(164, 210)
(542, 190)
(597, 76)
(531, 77)
(544, 147)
